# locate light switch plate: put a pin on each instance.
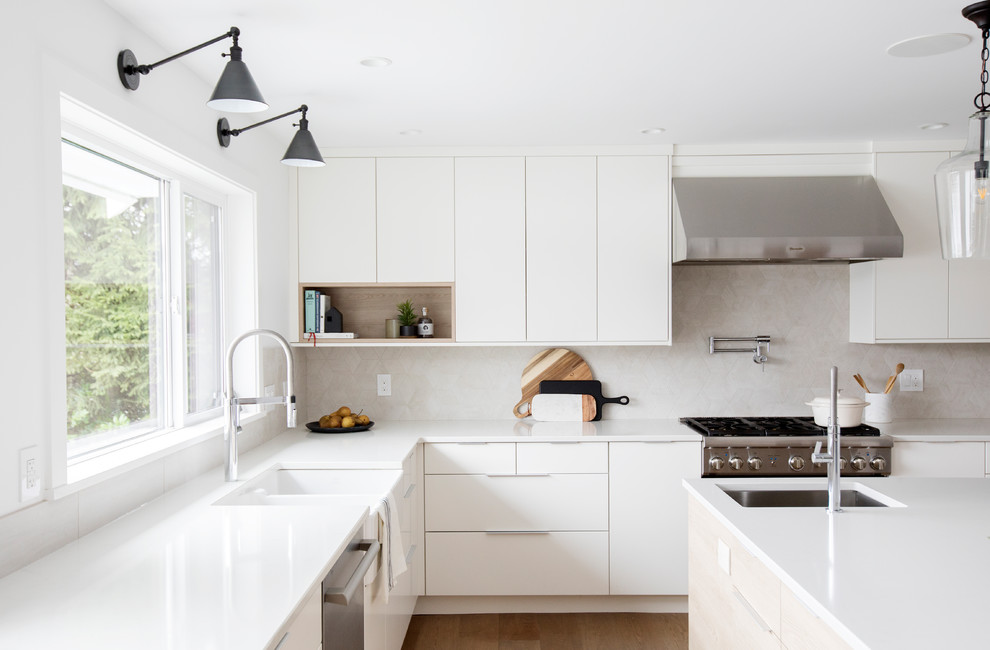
(30, 474)
(911, 380)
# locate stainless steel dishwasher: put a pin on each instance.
(343, 596)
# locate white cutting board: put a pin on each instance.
(563, 408)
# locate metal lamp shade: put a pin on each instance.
(302, 151)
(963, 196)
(236, 91)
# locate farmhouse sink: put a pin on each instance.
(751, 497)
(293, 486)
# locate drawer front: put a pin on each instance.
(517, 502)
(551, 564)
(801, 629)
(470, 458)
(562, 457)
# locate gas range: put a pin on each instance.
(782, 446)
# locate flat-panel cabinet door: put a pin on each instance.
(337, 221)
(561, 249)
(633, 248)
(912, 293)
(490, 245)
(648, 516)
(415, 219)
(969, 301)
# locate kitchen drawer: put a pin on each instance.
(800, 629)
(517, 502)
(306, 629)
(562, 457)
(484, 564)
(470, 458)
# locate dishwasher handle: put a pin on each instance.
(343, 595)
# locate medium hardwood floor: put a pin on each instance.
(607, 631)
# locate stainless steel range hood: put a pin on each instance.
(799, 219)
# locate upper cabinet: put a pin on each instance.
(561, 249)
(415, 219)
(337, 238)
(633, 248)
(490, 248)
(920, 297)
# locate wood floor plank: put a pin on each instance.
(478, 631)
(518, 627)
(561, 631)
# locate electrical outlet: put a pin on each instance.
(30, 471)
(912, 380)
(384, 385)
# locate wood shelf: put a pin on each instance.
(365, 307)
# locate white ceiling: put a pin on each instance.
(583, 72)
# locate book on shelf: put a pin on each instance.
(310, 310)
(335, 335)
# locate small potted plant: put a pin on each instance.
(407, 320)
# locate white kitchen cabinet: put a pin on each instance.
(305, 630)
(490, 248)
(562, 457)
(633, 248)
(561, 249)
(920, 297)
(415, 227)
(494, 530)
(957, 459)
(648, 516)
(337, 240)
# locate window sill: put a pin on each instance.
(84, 474)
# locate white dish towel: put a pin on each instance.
(390, 534)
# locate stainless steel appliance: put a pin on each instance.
(343, 596)
(782, 446)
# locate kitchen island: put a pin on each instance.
(183, 572)
(913, 575)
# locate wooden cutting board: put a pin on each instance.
(553, 363)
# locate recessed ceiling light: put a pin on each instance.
(653, 131)
(928, 45)
(934, 126)
(376, 62)
(411, 132)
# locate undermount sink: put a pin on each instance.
(293, 486)
(783, 498)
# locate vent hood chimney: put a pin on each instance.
(776, 220)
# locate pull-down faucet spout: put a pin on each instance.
(232, 404)
(831, 456)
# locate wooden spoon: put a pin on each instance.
(859, 380)
(898, 369)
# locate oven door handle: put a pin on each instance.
(343, 595)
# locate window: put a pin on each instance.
(143, 296)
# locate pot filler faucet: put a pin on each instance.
(232, 404)
(831, 456)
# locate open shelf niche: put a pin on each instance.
(364, 309)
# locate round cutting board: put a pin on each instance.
(550, 364)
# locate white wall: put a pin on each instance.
(71, 46)
(803, 308)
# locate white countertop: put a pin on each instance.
(943, 430)
(899, 577)
(182, 573)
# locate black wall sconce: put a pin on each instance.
(235, 92)
(302, 151)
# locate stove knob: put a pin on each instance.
(796, 463)
(755, 463)
(878, 463)
(842, 464)
(858, 463)
(716, 463)
(736, 462)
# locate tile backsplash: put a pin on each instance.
(803, 308)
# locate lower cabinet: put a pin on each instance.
(305, 630)
(956, 459)
(508, 519)
(735, 601)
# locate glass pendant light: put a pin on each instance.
(962, 183)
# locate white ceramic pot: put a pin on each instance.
(848, 409)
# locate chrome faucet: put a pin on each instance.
(831, 456)
(232, 404)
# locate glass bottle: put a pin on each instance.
(424, 326)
